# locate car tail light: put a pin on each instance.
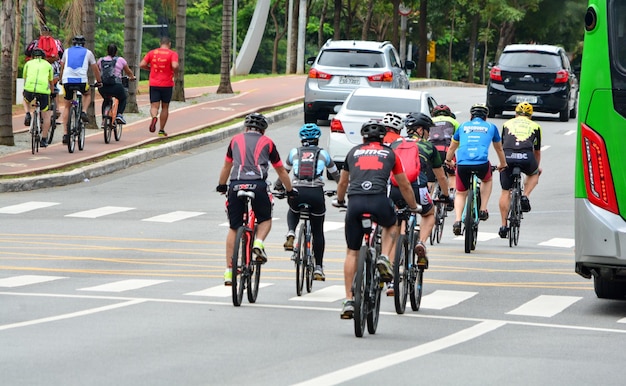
(598, 178)
(384, 77)
(336, 126)
(315, 74)
(495, 74)
(562, 76)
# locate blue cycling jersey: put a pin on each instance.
(474, 138)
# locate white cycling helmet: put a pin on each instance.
(393, 121)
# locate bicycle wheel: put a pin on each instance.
(239, 266)
(300, 260)
(71, 131)
(118, 131)
(53, 120)
(469, 221)
(415, 291)
(358, 290)
(254, 278)
(375, 287)
(81, 135)
(514, 217)
(400, 275)
(440, 221)
(107, 129)
(34, 132)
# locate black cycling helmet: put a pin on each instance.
(442, 110)
(373, 130)
(78, 40)
(415, 120)
(479, 110)
(256, 121)
(38, 53)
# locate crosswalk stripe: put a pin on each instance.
(559, 242)
(325, 295)
(545, 305)
(333, 225)
(441, 299)
(18, 281)
(123, 285)
(174, 216)
(221, 291)
(482, 236)
(26, 207)
(99, 212)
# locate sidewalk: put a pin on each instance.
(34, 171)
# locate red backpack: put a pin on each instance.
(409, 154)
(49, 45)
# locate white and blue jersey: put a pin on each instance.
(474, 138)
(76, 61)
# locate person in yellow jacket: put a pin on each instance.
(38, 83)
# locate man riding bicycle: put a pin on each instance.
(246, 163)
(364, 178)
(38, 84)
(308, 163)
(521, 140)
(445, 124)
(472, 139)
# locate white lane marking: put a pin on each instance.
(559, 242)
(545, 147)
(482, 236)
(622, 320)
(123, 285)
(99, 212)
(545, 306)
(19, 281)
(221, 291)
(333, 225)
(441, 299)
(26, 207)
(174, 216)
(569, 132)
(325, 295)
(381, 363)
(71, 315)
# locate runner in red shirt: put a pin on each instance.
(162, 63)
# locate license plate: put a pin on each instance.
(526, 98)
(350, 80)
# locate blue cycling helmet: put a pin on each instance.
(310, 131)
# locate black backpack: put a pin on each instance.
(107, 69)
(307, 165)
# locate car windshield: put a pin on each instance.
(384, 104)
(352, 58)
(529, 59)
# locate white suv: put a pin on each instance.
(344, 65)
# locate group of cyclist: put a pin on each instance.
(49, 64)
(377, 177)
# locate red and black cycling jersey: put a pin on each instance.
(369, 166)
(251, 153)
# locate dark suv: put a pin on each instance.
(343, 65)
(538, 74)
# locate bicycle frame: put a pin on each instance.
(302, 252)
(35, 126)
(515, 206)
(109, 122)
(246, 272)
(75, 126)
(405, 269)
(470, 217)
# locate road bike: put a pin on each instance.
(75, 125)
(53, 118)
(515, 206)
(441, 213)
(470, 217)
(110, 124)
(35, 126)
(246, 270)
(407, 275)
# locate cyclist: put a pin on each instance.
(441, 136)
(246, 163)
(364, 178)
(75, 64)
(393, 124)
(521, 140)
(418, 127)
(112, 84)
(472, 140)
(38, 83)
(308, 163)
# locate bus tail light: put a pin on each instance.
(598, 178)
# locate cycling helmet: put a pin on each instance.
(479, 110)
(256, 121)
(524, 108)
(442, 110)
(38, 52)
(415, 120)
(393, 121)
(310, 131)
(373, 129)
(78, 40)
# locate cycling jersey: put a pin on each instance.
(521, 133)
(37, 74)
(76, 61)
(441, 134)
(369, 166)
(251, 153)
(474, 138)
(429, 159)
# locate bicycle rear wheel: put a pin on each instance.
(254, 278)
(400, 274)
(300, 261)
(415, 290)
(71, 131)
(81, 135)
(34, 132)
(107, 128)
(358, 290)
(239, 266)
(53, 120)
(469, 221)
(515, 215)
(118, 131)
(375, 286)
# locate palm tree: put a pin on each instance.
(7, 29)
(227, 40)
(131, 48)
(89, 30)
(181, 26)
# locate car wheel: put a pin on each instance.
(609, 289)
(564, 114)
(492, 113)
(572, 112)
(310, 118)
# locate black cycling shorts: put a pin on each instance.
(261, 205)
(70, 88)
(524, 159)
(44, 99)
(378, 205)
(464, 172)
(314, 196)
(421, 195)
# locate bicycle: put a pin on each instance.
(246, 270)
(109, 115)
(75, 125)
(470, 217)
(35, 126)
(53, 118)
(441, 213)
(515, 206)
(407, 275)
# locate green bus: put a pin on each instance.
(600, 190)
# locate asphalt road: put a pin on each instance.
(119, 281)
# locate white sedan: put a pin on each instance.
(364, 104)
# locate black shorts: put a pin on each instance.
(161, 94)
(314, 196)
(464, 172)
(261, 205)
(421, 195)
(378, 205)
(44, 99)
(526, 162)
(70, 88)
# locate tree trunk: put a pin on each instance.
(423, 40)
(293, 48)
(89, 30)
(227, 41)
(7, 28)
(131, 46)
(472, 47)
(453, 13)
(507, 31)
(320, 30)
(337, 20)
(395, 24)
(368, 20)
(280, 33)
(181, 26)
(16, 45)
